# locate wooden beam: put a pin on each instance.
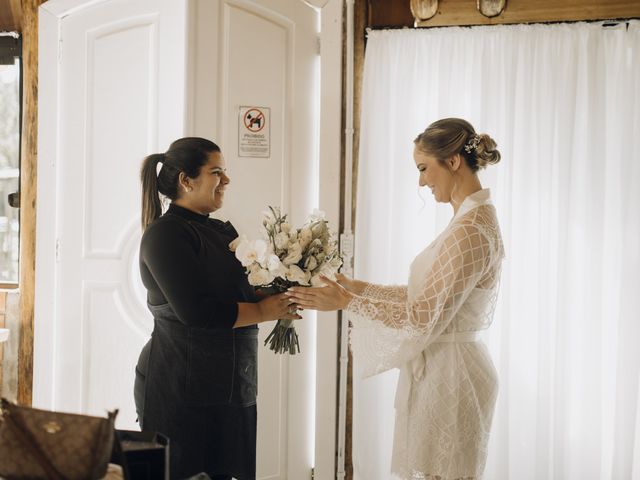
(360, 22)
(28, 177)
(10, 16)
(384, 13)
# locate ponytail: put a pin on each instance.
(185, 155)
(151, 205)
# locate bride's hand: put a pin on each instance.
(345, 281)
(351, 284)
(332, 296)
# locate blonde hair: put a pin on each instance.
(449, 136)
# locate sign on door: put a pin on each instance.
(254, 132)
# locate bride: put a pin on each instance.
(429, 328)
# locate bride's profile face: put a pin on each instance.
(434, 175)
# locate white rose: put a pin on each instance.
(305, 237)
(316, 244)
(316, 281)
(319, 230)
(296, 274)
(311, 263)
(260, 276)
(294, 255)
(286, 227)
(275, 266)
(249, 252)
(281, 240)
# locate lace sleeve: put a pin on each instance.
(392, 293)
(389, 334)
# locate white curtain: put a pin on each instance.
(563, 103)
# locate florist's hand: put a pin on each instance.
(262, 294)
(280, 306)
(332, 296)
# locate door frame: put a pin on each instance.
(50, 15)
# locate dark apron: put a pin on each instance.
(198, 386)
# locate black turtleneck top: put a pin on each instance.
(185, 260)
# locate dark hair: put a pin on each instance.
(449, 136)
(186, 155)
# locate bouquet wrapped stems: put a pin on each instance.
(283, 338)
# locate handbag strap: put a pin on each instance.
(29, 442)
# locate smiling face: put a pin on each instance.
(434, 175)
(205, 193)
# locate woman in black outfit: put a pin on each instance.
(196, 378)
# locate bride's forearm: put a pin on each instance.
(357, 286)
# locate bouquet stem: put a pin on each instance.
(283, 338)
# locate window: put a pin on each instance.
(10, 122)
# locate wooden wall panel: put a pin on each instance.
(385, 13)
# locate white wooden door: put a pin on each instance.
(264, 54)
(113, 76)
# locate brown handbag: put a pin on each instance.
(39, 444)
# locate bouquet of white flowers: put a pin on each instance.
(288, 257)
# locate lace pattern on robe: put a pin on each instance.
(392, 293)
(392, 329)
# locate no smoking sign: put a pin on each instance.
(254, 132)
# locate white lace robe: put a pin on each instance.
(448, 384)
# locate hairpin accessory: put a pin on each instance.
(472, 143)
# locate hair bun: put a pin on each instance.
(486, 151)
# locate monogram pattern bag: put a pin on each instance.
(39, 444)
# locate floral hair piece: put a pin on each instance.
(472, 143)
